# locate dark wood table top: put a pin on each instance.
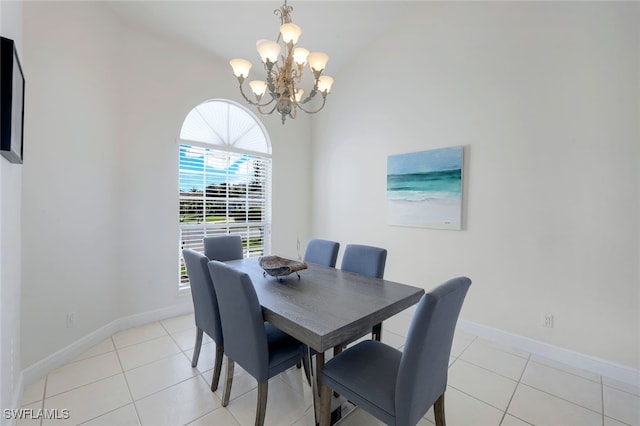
(326, 306)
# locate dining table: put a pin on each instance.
(326, 308)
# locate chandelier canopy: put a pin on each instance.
(284, 72)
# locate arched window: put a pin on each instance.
(224, 178)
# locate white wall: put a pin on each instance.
(10, 247)
(71, 179)
(101, 190)
(544, 96)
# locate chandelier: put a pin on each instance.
(284, 72)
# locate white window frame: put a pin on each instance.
(247, 227)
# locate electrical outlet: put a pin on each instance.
(547, 320)
(71, 319)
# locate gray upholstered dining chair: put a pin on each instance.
(205, 308)
(366, 260)
(261, 349)
(223, 247)
(399, 387)
(322, 252)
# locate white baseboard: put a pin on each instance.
(599, 366)
(75, 349)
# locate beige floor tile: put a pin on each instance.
(359, 417)
(496, 360)
(90, 401)
(622, 406)
(207, 358)
(34, 392)
(398, 324)
(139, 334)
(242, 383)
(542, 409)
(461, 341)
(284, 405)
(218, 417)
(612, 422)
(485, 385)
(564, 385)
(464, 410)
(82, 372)
(137, 355)
(186, 339)
(159, 375)
(504, 348)
(175, 324)
(99, 349)
(296, 379)
(157, 362)
(178, 405)
(565, 367)
(509, 420)
(307, 420)
(124, 416)
(627, 387)
(392, 339)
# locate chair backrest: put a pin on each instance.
(205, 301)
(242, 321)
(223, 247)
(322, 252)
(365, 260)
(422, 376)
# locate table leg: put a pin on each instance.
(325, 405)
(321, 402)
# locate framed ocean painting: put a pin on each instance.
(424, 189)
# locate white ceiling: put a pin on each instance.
(229, 29)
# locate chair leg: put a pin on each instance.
(196, 349)
(217, 367)
(261, 410)
(376, 332)
(227, 384)
(438, 411)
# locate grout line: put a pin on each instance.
(126, 381)
(602, 398)
(516, 389)
(488, 369)
(44, 394)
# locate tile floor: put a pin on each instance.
(143, 376)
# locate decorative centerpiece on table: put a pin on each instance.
(279, 267)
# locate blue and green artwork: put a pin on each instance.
(425, 188)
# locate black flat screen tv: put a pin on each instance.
(11, 102)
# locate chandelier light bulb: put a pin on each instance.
(240, 67)
(290, 32)
(258, 87)
(299, 94)
(317, 60)
(324, 84)
(300, 55)
(269, 50)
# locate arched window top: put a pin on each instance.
(225, 124)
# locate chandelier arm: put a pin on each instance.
(324, 98)
(258, 104)
(312, 94)
(266, 113)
